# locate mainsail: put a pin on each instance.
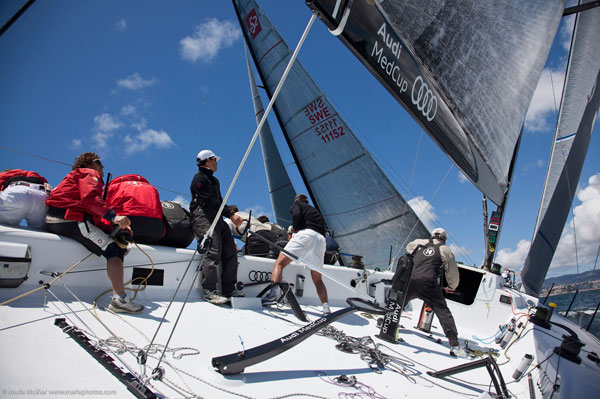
(367, 219)
(578, 110)
(465, 70)
(280, 187)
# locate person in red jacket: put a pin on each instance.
(23, 196)
(75, 210)
(135, 197)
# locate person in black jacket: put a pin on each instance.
(206, 200)
(307, 243)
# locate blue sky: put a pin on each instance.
(148, 84)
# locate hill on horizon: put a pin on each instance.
(590, 275)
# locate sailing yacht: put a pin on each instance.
(60, 340)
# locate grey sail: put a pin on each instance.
(579, 107)
(366, 219)
(465, 70)
(280, 187)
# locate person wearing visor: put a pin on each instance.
(206, 201)
(75, 210)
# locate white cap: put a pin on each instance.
(205, 154)
(291, 229)
(440, 233)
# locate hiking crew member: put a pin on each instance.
(430, 257)
(75, 210)
(308, 243)
(23, 196)
(135, 197)
(206, 200)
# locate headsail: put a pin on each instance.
(465, 70)
(358, 202)
(578, 110)
(280, 187)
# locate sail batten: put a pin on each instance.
(334, 164)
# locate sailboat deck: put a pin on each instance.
(53, 361)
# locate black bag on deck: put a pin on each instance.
(179, 233)
(257, 247)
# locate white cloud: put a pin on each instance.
(136, 82)
(121, 25)
(106, 123)
(545, 101)
(100, 140)
(75, 144)
(566, 33)
(584, 228)
(182, 201)
(128, 110)
(424, 211)
(146, 139)
(514, 259)
(208, 39)
(462, 178)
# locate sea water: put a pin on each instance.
(582, 309)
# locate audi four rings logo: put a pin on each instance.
(423, 98)
(256, 275)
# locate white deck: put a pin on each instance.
(39, 357)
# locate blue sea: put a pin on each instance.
(582, 309)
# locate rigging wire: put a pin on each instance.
(70, 165)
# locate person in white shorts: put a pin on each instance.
(307, 243)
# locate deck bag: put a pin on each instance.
(135, 197)
(179, 233)
(15, 259)
(257, 247)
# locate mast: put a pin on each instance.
(280, 187)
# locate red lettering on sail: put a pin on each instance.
(253, 23)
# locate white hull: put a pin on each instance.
(39, 357)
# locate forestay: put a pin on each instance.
(366, 219)
(465, 70)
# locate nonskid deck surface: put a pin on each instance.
(56, 362)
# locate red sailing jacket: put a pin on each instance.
(12, 175)
(132, 195)
(80, 192)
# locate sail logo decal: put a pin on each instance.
(322, 121)
(388, 65)
(253, 23)
(424, 98)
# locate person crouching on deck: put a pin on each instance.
(75, 210)
(308, 243)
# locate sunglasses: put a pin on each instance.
(98, 162)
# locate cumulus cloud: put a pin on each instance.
(462, 178)
(582, 229)
(121, 25)
(106, 123)
(424, 211)
(545, 101)
(146, 139)
(135, 82)
(128, 110)
(208, 39)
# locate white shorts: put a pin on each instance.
(307, 245)
(23, 202)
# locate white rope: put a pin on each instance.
(259, 127)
